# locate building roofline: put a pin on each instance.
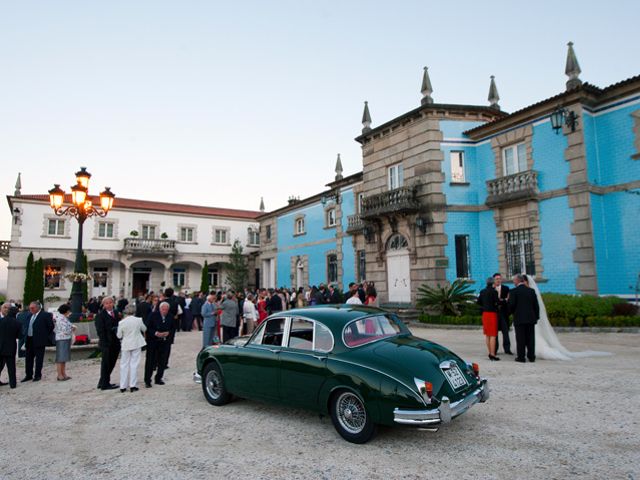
(152, 206)
(586, 93)
(417, 112)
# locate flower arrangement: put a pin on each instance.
(78, 277)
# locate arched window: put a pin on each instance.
(397, 242)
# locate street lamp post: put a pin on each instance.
(81, 208)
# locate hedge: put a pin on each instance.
(590, 321)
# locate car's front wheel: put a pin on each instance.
(350, 417)
(213, 385)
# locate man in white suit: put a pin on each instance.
(130, 332)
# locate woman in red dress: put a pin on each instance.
(488, 301)
(262, 307)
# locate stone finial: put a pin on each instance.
(366, 118)
(572, 69)
(16, 193)
(426, 89)
(338, 168)
(493, 94)
(261, 204)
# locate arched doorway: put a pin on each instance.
(398, 269)
(299, 274)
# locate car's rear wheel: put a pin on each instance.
(350, 417)
(213, 385)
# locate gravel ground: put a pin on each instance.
(545, 420)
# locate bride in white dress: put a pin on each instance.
(548, 346)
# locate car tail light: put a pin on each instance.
(428, 389)
(476, 369)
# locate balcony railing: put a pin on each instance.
(149, 246)
(512, 188)
(4, 249)
(400, 200)
(354, 223)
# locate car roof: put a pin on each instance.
(333, 316)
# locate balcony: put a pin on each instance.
(149, 246)
(400, 200)
(354, 224)
(4, 249)
(512, 188)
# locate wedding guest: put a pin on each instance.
(372, 296)
(10, 330)
(301, 300)
(488, 301)
(523, 303)
(64, 331)
(262, 306)
(130, 332)
(228, 317)
(503, 314)
(354, 298)
(209, 313)
(106, 323)
(249, 315)
(160, 328)
(38, 336)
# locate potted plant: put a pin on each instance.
(133, 233)
(164, 235)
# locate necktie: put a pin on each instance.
(30, 330)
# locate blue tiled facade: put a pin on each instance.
(580, 218)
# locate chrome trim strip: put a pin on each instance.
(445, 412)
(197, 378)
(415, 394)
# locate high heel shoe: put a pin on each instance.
(493, 358)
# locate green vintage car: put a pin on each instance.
(361, 365)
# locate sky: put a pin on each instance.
(221, 103)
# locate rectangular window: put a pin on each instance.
(186, 234)
(331, 217)
(519, 251)
(105, 230)
(332, 268)
(212, 275)
(395, 175)
(360, 198)
(52, 275)
(301, 334)
(515, 159)
(148, 231)
(220, 236)
(254, 237)
(56, 227)
(179, 275)
(268, 233)
(100, 275)
(463, 263)
(362, 266)
(457, 167)
(299, 226)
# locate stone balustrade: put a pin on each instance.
(148, 246)
(399, 200)
(354, 223)
(512, 188)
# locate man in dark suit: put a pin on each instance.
(38, 336)
(160, 329)
(503, 314)
(23, 318)
(10, 330)
(106, 322)
(523, 303)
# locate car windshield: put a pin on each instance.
(369, 329)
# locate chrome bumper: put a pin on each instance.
(445, 412)
(197, 378)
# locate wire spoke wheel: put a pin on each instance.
(213, 384)
(351, 413)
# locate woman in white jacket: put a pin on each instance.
(130, 332)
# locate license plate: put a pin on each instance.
(455, 377)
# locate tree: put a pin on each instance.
(447, 300)
(38, 280)
(27, 295)
(237, 268)
(204, 279)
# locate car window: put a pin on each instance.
(301, 335)
(270, 333)
(323, 338)
(369, 329)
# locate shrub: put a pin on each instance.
(590, 321)
(625, 309)
(448, 300)
(574, 308)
